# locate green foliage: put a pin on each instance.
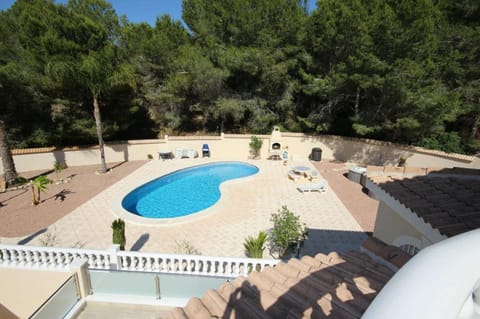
(20, 180)
(404, 71)
(255, 146)
(287, 229)
(118, 235)
(58, 167)
(255, 246)
(449, 142)
(38, 185)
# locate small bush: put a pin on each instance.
(49, 239)
(150, 156)
(185, 247)
(59, 166)
(118, 235)
(255, 146)
(287, 230)
(19, 180)
(255, 246)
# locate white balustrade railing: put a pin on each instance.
(51, 257)
(191, 264)
(442, 281)
(113, 258)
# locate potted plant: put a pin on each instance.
(287, 231)
(118, 235)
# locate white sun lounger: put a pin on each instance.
(312, 174)
(320, 186)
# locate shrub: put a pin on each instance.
(287, 230)
(255, 246)
(255, 146)
(59, 166)
(49, 239)
(118, 235)
(186, 248)
(449, 142)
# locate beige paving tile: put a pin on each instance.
(244, 209)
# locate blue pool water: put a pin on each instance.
(184, 192)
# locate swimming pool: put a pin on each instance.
(185, 191)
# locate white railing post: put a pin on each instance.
(115, 262)
(79, 267)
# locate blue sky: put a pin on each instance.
(141, 10)
(135, 10)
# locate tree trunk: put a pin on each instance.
(6, 155)
(34, 198)
(474, 128)
(98, 124)
(357, 102)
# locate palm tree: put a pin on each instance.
(39, 184)
(100, 72)
(6, 155)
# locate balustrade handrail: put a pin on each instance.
(114, 259)
(442, 281)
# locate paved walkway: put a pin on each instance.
(244, 210)
(362, 207)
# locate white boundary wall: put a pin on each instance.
(236, 146)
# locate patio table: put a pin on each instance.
(302, 170)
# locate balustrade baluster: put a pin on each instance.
(133, 263)
(122, 262)
(4, 255)
(141, 263)
(156, 264)
(20, 258)
(228, 269)
(91, 260)
(206, 266)
(163, 264)
(98, 261)
(189, 266)
(148, 264)
(60, 259)
(43, 258)
(35, 258)
(221, 268)
(51, 259)
(28, 258)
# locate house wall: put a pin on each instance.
(236, 146)
(391, 228)
(17, 294)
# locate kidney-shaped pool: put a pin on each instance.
(185, 191)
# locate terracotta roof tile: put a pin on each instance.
(448, 199)
(333, 286)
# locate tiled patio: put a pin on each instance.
(244, 209)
